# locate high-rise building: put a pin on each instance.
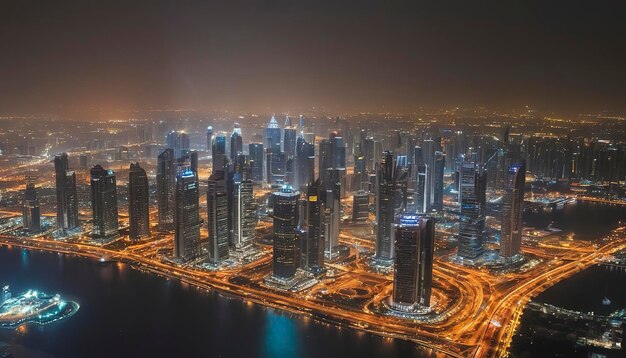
(209, 140)
(286, 217)
(31, 218)
(166, 188)
(236, 142)
(472, 193)
(438, 166)
(360, 206)
(217, 208)
(219, 152)
(273, 136)
(243, 208)
(67, 200)
(512, 210)
(104, 203)
(313, 242)
(256, 161)
(179, 142)
(289, 138)
(388, 195)
(413, 264)
(305, 162)
(187, 216)
(419, 191)
(138, 202)
(428, 156)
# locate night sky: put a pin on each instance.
(342, 55)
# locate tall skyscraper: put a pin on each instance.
(187, 216)
(104, 203)
(31, 218)
(286, 217)
(428, 155)
(512, 210)
(419, 191)
(179, 142)
(138, 202)
(67, 200)
(256, 161)
(166, 188)
(219, 152)
(413, 264)
(236, 142)
(289, 138)
(305, 162)
(438, 166)
(473, 183)
(209, 140)
(388, 195)
(217, 208)
(273, 136)
(313, 242)
(243, 208)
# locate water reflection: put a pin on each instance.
(280, 337)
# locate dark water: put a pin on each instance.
(587, 220)
(582, 292)
(127, 313)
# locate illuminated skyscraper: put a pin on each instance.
(289, 138)
(512, 210)
(217, 208)
(179, 142)
(256, 161)
(473, 183)
(31, 220)
(166, 188)
(428, 155)
(388, 197)
(209, 140)
(273, 136)
(413, 264)
(313, 241)
(286, 217)
(104, 203)
(243, 209)
(187, 216)
(236, 142)
(67, 200)
(219, 152)
(438, 166)
(419, 191)
(138, 198)
(305, 162)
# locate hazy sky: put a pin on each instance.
(287, 55)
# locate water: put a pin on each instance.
(124, 312)
(582, 292)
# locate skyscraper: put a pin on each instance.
(273, 136)
(236, 142)
(286, 217)
(67, 200)
(209, 140)
(243, 208)
(256, 161)
(413, 264)
(473, 182)
(219, 152)
(512, 210)
(31, 219)
(305, 162)
(166, 188)
(187, 216)
(388, 193)
(313, 242)
(360, 206)
(438, 166)
(179, 142)
(217, 208)
(428, 155)
(104, 203)
(289, 138)
(138, 199)
(419, 191)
